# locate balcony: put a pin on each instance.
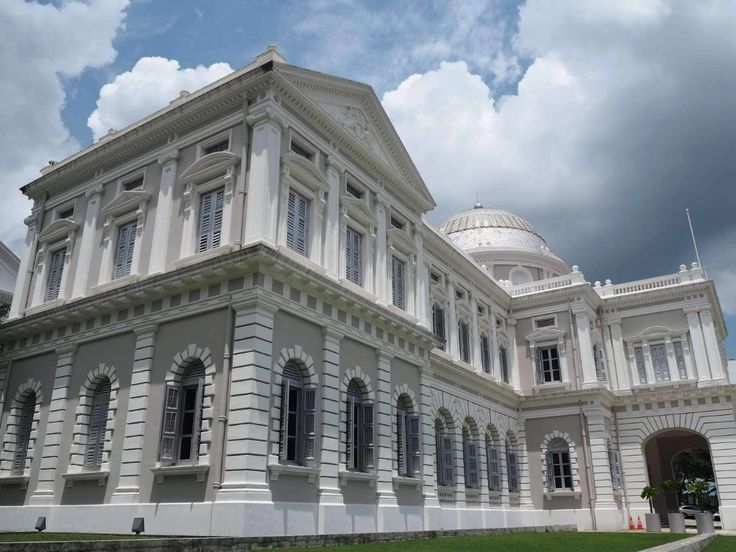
(684, 276)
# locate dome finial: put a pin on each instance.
(478, 204)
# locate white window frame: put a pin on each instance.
(544, 338)
(60, 233)
(131, 177)
(214, 139)
(640, 359)
(539, 319)
(548, 474)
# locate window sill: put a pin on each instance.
(93, 475)
(114, 284)
(162, 472)
(664, 384)
(347, 476)
(21, 480)
(551, 387)
(45, 306)
(561, 494)
(289, 469)
(203, 256)
(399, 481)
(495, 495)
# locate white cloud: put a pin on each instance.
(622, 119)
(38, 45)
(150, 85)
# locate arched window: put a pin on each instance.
(494, 465)
(504, 361)
(559, 467)
(438, 323)
(512, 469)
(470, 457)
(23, 435)
(182, 419)
(358, 429)
(407, 438)
(463, 336)
(445, 464)
(485, 353)
(298, 413)
(97, 424)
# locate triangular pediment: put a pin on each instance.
(357, 110)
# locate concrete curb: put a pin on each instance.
(242, 544)
(691, 544)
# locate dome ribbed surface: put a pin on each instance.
(493, 228)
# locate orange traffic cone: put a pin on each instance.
(639, 526)
(631, 524)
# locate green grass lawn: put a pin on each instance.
(722, 544)
(66, 537)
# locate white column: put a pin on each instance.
(699, 354)
(621, 365)
(262, 201)
(87, 241)
(598, 438)
(648, 364)
(127, 489)
(23, 282)
(671, 359)
(164, 212)
(382, 289)
(585, 346)
(715, 359)
(384, 439)
(475, 335)
(333, 238)
(495, 349)
(422, 299)
(525, 491)
(44, 493)
(247, 447)
(329, 487)
(514, 366)
(453, 345)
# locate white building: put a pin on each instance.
(232, 319)
(8, 274)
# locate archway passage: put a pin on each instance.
(684, 457)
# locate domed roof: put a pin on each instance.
(492, 228)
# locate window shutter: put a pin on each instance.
(302, 225)
(539, 364)
(205, 222)
(118, 270)
(448, 475)
(23, 437)
(97, 424)
(550, 471)
(197, 425)
(401, 445)
(494, 481)
(659, 360)
(308, 419)
(473, 464)
(397, 283)
(56, 270)
(291, 220)
(680, 358)
(438, 452)
(218, 202)
(283, 429)
(511, 474)
(170, 423)
(354, 256)
(350, 460)
(297, 223)
(412, 433)
(640, 367)
(368, 436)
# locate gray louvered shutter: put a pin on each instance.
(401, 445)
(659, 360)
(640, 366)
(350, 460)
(309, 414)
(205, 221)
(368, 436)
(124, 250)
(217, 207)
(56, 270)
(539, 364)
(353, 256)
(494, 480)
(291, 221)
(170, 422)
(23, 435)
(448, 469)
(398, 283)
(438, 452)
(511, 471)
(97, 424)
(414, 466)
(284, 422)
(680, 358)
(197, 425)
(472, 464)
(550, 471)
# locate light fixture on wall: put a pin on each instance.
(41, 524)
(139, 525)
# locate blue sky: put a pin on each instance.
(599, 121)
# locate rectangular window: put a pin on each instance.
(298, 423)
(97, 425)
(512, 471)
(398, 284)
(407, 441)
(353, 191)
(680, 358)
(463, 336)
(56, 271)
(504, 358)
(354, 256)
(659, 360)
(359, 435)
(640, 366)
(301, 150)
(66, 213)
(615, 467)
(548, 365)
(222, 145)
(438, 324)
(133, 184)
(297, 225)
(485, 354)
(494, 471)
(124, 249)
(472, 477)
(600, 365)
(396, 223)
(210, 219)
(559, 470)
(544, 322)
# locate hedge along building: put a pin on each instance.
(232, 319)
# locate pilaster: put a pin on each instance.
(621, 365)
(429, 478)
(598, 438)
(525, 492)
(475, 335)
(44, 492)
(700, 356)
(164, 212)
(384, 433)
(453, 345)
(329, 488)
(585, 345)
(715, 359)
(332, 219)
(127, 489)
(262, 200)
(23, 281)
(87, 241)
(246, 452)
(422, 299)
(514, 376)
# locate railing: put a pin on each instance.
(574, 278)
(684, 276)
(472, 496)
(446, 494)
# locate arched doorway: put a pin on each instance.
(682, 456)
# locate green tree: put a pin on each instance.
(693, 465)
(648, 493)
(699, 489)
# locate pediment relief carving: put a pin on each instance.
(220, 163)
(57, 230)
(545, 334)
(297, 167)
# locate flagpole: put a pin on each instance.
(692, 235)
